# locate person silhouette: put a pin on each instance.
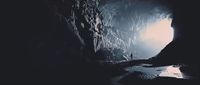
(131, 56)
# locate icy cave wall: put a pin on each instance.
(83, 19)
(86, 24)
(108, 29)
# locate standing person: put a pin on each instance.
(131, 56)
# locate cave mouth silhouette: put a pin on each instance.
(156, 37)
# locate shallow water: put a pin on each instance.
(163, 71)
(145, 72)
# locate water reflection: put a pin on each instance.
(154, 72)
(171, 71)
(148, 72)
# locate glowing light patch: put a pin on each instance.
(157, 35)
(171, 72)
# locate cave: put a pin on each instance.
(106, 42)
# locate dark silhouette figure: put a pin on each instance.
(131, 56)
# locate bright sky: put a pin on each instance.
(157, 35)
